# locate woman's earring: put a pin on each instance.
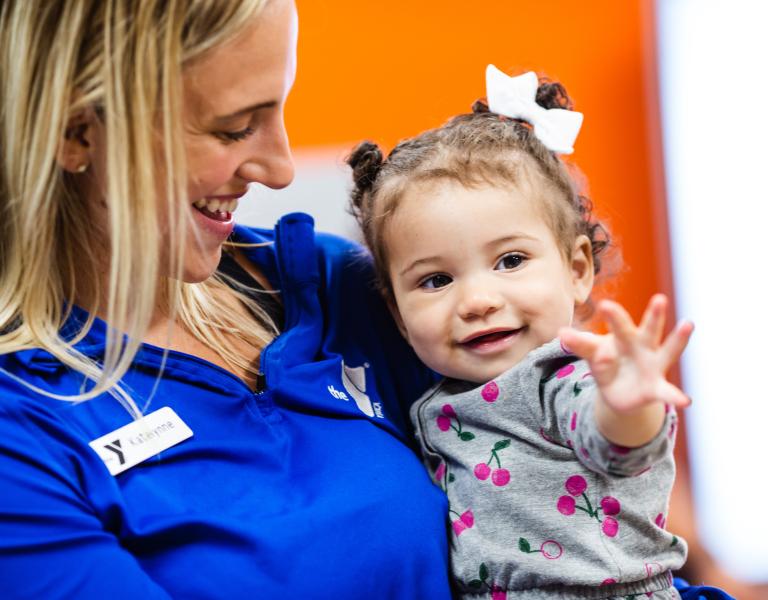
(82, 168)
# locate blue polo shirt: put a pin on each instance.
(310, 489)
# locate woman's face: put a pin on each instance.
(234, 130)
(233, 133)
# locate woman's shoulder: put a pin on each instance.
(34, 428)
(342, 265)
(331, 245)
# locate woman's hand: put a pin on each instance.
(629, 365)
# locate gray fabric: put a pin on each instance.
(533, 536)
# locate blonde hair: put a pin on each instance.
(123, 60)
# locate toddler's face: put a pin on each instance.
(478, 278)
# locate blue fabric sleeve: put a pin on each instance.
(700, 592)
(52, 543)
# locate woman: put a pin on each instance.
(170, 426)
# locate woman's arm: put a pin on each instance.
(53, 544)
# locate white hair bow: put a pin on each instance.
(515, 97)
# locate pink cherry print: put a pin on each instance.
(440, 472)
(610, 505)
(482, 471)
(587, 374)
(543, 434)
(458, 526)
(653, 568)
(565, 371)
(584, 452)
(566, 505)
(500, 477)
(565, 348)
(497, 593)
(660, 521)
(551, 549)
(573, 421)
(575, 485)
(490, 392)
(672, 429)
(448, 410)
(468, 518)
(610, 526)
(443, 423)
(609, 581)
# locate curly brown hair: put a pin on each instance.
(473, 149)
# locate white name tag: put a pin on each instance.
(136, 442)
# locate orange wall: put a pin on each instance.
(388, 69)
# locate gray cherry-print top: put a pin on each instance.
(541, 504)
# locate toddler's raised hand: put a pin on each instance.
(629, 366)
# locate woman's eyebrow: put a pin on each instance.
(246, 110)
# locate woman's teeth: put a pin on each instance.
(214, 205)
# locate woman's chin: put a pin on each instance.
(199, 267)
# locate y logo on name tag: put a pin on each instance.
(131, 444)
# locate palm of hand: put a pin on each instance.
(630, 363)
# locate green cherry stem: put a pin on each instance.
(592, 513)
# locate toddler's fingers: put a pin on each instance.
(652, 324)
(674, 396)
(581, 343)
(619, 321)
(675, 343)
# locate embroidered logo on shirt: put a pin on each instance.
(353, 379)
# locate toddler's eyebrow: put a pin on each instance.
(418, 262)
(514, 237)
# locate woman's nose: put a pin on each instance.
(270, 161)
(478, 303)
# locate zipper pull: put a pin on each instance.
(261, 383)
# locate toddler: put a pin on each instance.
(554, 446)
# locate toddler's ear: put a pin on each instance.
(395, 312)
(582, 269)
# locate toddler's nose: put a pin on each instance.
(479, 303)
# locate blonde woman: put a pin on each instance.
(188, 408)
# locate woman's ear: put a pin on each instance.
(582, 269)
(74, 155)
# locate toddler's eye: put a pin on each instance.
(509, 262)
(435, 281)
